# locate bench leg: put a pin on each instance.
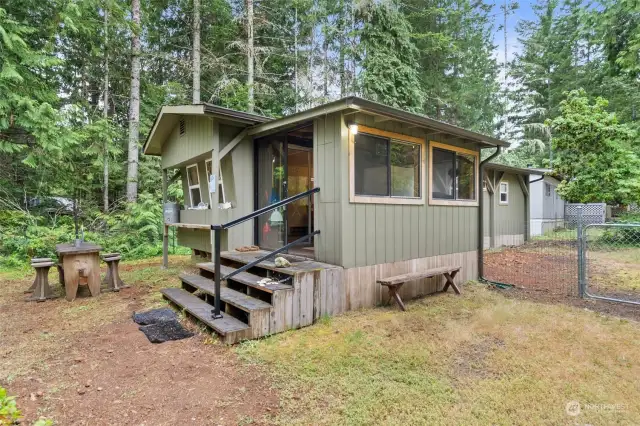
(393, 292)
(449, 277)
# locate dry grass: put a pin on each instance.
(475, 359)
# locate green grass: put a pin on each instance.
(476, 359)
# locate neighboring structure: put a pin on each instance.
(398, 192)
(547, 208)
(506, 196)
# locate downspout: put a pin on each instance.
(481, 216)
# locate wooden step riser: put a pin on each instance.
(259, 320)
(228, 338)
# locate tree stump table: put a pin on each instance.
(81, 266)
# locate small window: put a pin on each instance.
(193, 181)
(547, 190)
(453, 175)
(504, 193)
(183, 127)
(220, 189)
(386, 167)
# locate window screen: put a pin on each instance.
(385, 167)
(453, 175)
(443, 164)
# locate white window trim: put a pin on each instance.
(503, 203)
(207, 162)
(372, 199)
(443, 202)
(193, 186)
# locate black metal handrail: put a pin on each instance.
(217, 242)
(267, 209)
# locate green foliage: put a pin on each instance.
(390, 73)
(9, 412)
(594, 153)
(135, 231)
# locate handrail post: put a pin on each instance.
(309, 216)
(217, 231)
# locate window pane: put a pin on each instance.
(503, 197)
(208, 164)
(192, 174)
(195, 196)
(503, 187)
(466, 177)
(371, 162)
(443, 177)
(405, 169)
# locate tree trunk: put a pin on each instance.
(295, 66)
(105, 115)
(250, 57)
(134, 105)
(196, 51)
(341, 58)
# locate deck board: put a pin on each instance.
(229, 327)
(227, 295)
(245, 278)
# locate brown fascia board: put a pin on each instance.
(358, 104)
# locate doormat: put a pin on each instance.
(161, 325)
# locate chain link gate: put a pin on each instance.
(609, 262)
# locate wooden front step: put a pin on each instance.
(230, 329)
(256, 311)
(245, 278)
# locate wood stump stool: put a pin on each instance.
(112, 279)
(36, 260)
(41, 289)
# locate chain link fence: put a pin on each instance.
(547, 262)
(610, 259)
(575, 258)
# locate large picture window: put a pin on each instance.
(384, 166)
(453, 175)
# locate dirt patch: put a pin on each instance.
(471, 362)
(86, 363)
(554, 270)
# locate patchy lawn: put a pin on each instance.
(481, 358)
(86, 363)
(476, 359)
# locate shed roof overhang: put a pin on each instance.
(514, 170)
(169, 116)
(382, 112)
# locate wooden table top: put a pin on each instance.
(70, 248)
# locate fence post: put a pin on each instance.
(581, 263)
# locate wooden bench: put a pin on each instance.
(394, 284)
(40, 288)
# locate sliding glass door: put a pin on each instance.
(284, 168)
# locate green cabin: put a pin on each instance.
(397, 192)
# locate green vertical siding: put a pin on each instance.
(356, 234)
(510, 219)
(197, 140)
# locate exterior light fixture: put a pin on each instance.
(353, 128)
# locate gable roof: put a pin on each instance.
(168, 117)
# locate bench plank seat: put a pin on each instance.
(418, 275)
(394, 283)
